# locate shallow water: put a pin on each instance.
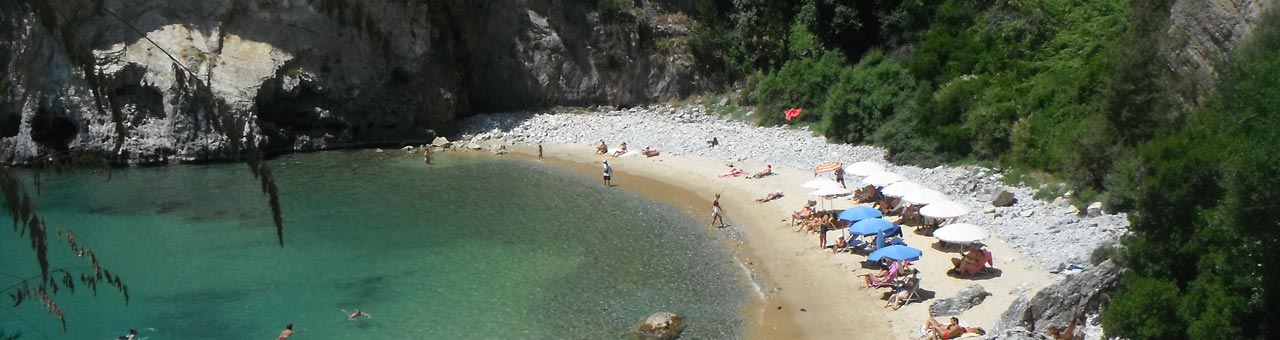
(468, 248)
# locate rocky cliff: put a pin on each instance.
(309, 74)
(1202, 33)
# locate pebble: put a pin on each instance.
(685, 130)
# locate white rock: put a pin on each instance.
(1094, 209)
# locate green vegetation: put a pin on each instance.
(1206, 212)
(1054, 92)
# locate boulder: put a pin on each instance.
(968, 297)
(1063, 303)
(1094, 209)
(1062, 202)
(440, 142)
(1017, 334)
(1003, 198)
(660, 326)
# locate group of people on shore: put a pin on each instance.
(603, 149)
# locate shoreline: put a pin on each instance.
(807, 293)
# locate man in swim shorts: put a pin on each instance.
(608, 174)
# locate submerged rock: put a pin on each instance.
(660, 326)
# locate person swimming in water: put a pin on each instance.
(133, 334)
(286, 333)
(358, 314)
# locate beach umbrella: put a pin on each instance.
(819, 183)
(944, 209)
(863, 169)
(870, 226)
(961, 233)
(830, 192)
(902, 188)
(881, 179)
(926, 196)
(859, 213)
(896, 253)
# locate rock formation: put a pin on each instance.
(309, 74)
(967, 298)
(1065, 303)
(1202, 33)
(660, 326)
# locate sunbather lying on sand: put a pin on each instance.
(649, 151)
(771, 196)
(936, 330)
(768, 170)
(734, 173)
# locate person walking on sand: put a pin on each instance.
(716, 212)
(286, 333)
(539, 151)
(608, 174)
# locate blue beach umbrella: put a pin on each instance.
(896, 253)
(870, 226)
(859, 213)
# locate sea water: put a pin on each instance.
(467, 248)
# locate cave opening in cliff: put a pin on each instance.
(50, 128)
(286, 115)
(10, 120)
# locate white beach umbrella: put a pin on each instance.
(864, 169)
(944, 209)
(881, 179)
(830, 192)
(902, 188)
(962, 233)
(925, 196)
(819, 183)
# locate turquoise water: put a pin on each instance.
(469, 248)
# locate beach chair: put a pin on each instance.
(910, 287)
(889, 280)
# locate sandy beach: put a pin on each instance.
(807, 292)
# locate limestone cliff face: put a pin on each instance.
(309, 74)
(1202, 33)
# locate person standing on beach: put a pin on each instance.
(608, 174)
(539, 151)
(715, 212)
(840, 175)
(426, 155)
